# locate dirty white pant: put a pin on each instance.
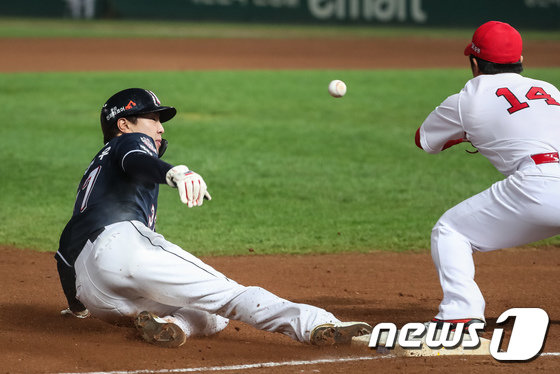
(523, 208)
(129, 269)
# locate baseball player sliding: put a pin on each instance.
(514, 122)
(112, 264)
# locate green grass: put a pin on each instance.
(291, 170)
(46, 28)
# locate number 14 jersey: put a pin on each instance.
(507, 117)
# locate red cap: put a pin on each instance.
(496, 42)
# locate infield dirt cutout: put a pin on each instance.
(373, 287)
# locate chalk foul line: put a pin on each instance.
(263, 365)
(246, 366)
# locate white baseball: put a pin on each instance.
(337, 88)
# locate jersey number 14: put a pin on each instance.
(535, 93)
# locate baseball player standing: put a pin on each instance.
(514, 121)
(112, 264)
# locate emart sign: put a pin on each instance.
(338, 10)
(368, 10)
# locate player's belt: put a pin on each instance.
(546, 158)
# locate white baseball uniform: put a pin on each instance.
(514, 122)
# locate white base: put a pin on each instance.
(482, 350)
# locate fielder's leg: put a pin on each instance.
(520, 209)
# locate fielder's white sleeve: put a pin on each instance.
(442, 125)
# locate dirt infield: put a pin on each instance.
(372, 287)
(178, 54)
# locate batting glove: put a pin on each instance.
(191, 186)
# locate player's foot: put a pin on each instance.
(81, 314)
(467, 322)
(157, 331)
(340, 333)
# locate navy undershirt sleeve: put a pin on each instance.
(145, 168)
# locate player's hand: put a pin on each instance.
(82, 314)
(191, 186)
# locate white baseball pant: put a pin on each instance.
(523, 208)
(129, 268)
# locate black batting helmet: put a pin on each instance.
(131, 102)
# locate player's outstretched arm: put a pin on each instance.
(146, 168)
